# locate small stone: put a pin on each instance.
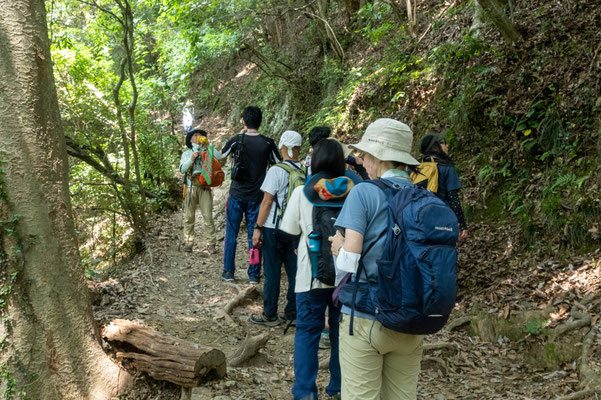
(161, 312)
(230, 384)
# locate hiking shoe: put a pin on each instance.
(286, 318)
(261, 319)
(253, 279)
(227, 276)
(187, 248)
(324, 340)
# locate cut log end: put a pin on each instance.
(165, 357)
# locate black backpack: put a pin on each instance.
(239, 170)
(320, 250)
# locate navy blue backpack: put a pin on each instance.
(416, 274)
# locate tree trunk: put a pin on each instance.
(128, 43)
(478, 20)
(50, 344)
(494, 11)
(321, 13)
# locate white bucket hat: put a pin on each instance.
(290, 139)
(388, 140)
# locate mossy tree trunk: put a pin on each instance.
(494, 10)
(51, 347)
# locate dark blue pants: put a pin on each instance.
(272, 269)
(310, 321)
(235, 208)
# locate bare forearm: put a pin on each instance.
(264, 209)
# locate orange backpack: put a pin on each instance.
(211, 175)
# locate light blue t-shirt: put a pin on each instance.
(366, 211)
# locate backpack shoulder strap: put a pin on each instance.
(289, 166)
(285, 166)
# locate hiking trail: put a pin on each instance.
(183, 295)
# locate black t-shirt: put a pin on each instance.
(259, 152)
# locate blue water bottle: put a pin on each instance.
(314, 251)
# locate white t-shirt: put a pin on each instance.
(298, 220)
(276, 184)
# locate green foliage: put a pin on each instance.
(536, 326)
(534, 151)
(377, 26)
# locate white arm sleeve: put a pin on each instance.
(347, 262)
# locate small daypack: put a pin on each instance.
(319, 248)
(296, 178)
(426, 175)
(416, 274)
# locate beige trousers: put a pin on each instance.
(377, 362)
(199, 197)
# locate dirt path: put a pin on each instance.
(180, 294)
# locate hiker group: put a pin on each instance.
(368, 244)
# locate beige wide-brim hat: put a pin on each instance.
(346, 151)
(388, 140)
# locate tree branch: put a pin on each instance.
(77, 151)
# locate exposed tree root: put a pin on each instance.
(577, 395)
(589, 380)
(456, 323)
(233, 303)
(439, 346)
(324, 363)
(438, 361)
(248, 348)
(581, 321)
(186, 393)
(588, 377)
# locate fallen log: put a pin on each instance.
(166, 357)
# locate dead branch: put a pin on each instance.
(444, 10)
(331, 35)
(248, 348)
(595, 57)
(456, 323)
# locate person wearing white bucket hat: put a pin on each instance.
(376, 362)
